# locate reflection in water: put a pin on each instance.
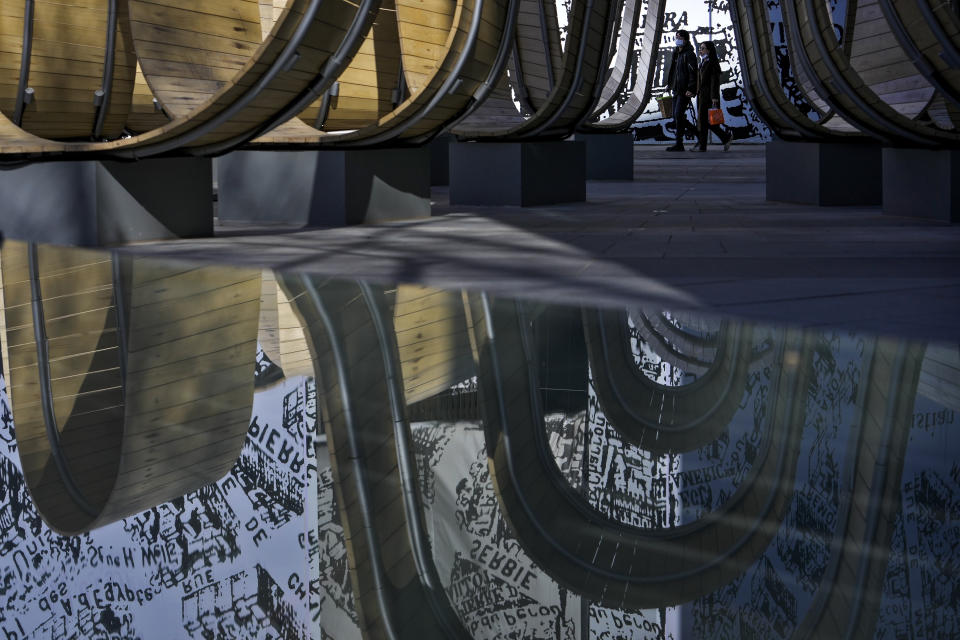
(482, 467)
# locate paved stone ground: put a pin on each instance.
(692, 230)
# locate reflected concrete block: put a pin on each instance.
(440, 160)
(517, 173)
(824, 174)
(922, 183)
(99, 203)
(609, 155)
(328, 188)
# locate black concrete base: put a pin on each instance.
(101, 203)
(823, 174)
(329, 188)
(517, 173)
(440, 160)
(609, 155)
(922, 183)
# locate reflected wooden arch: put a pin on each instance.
(611, 563)
(848, 599)
(131, 382)
(361, 397)
(655, 417)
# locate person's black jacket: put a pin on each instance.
(683, 71)
(709, 86)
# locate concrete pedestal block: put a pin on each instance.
(440, 160)
(327, 188)
(92, 203)
(517, 173)
(922, 183)
(609, 155)
(824, 174)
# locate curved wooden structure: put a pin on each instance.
(131, 382)
(208, 70)
(447, 52)
(762, 79)
(874, 87)
(880, 82)
(137, 78)
(75, 74)
(574, 86)
(613, 564)
(639, 96)
(929, 32)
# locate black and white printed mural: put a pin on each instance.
(232, 560)
(711, 20)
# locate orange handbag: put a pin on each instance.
(715, 116)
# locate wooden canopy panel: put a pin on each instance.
(369, 88)
(439, 95)
(131, 382)
(210, 72)
(929, 33)
(77, 59)
(880, 61)
(189, 51)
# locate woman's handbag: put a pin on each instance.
(715, 116)
(666, 105)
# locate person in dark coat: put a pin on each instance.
(682, 81)
(708, 96)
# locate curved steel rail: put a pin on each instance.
(46, 392)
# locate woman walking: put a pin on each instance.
(708, 96)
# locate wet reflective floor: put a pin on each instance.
(220, 452)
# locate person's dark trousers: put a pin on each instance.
(680, 104)
(704, 126)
